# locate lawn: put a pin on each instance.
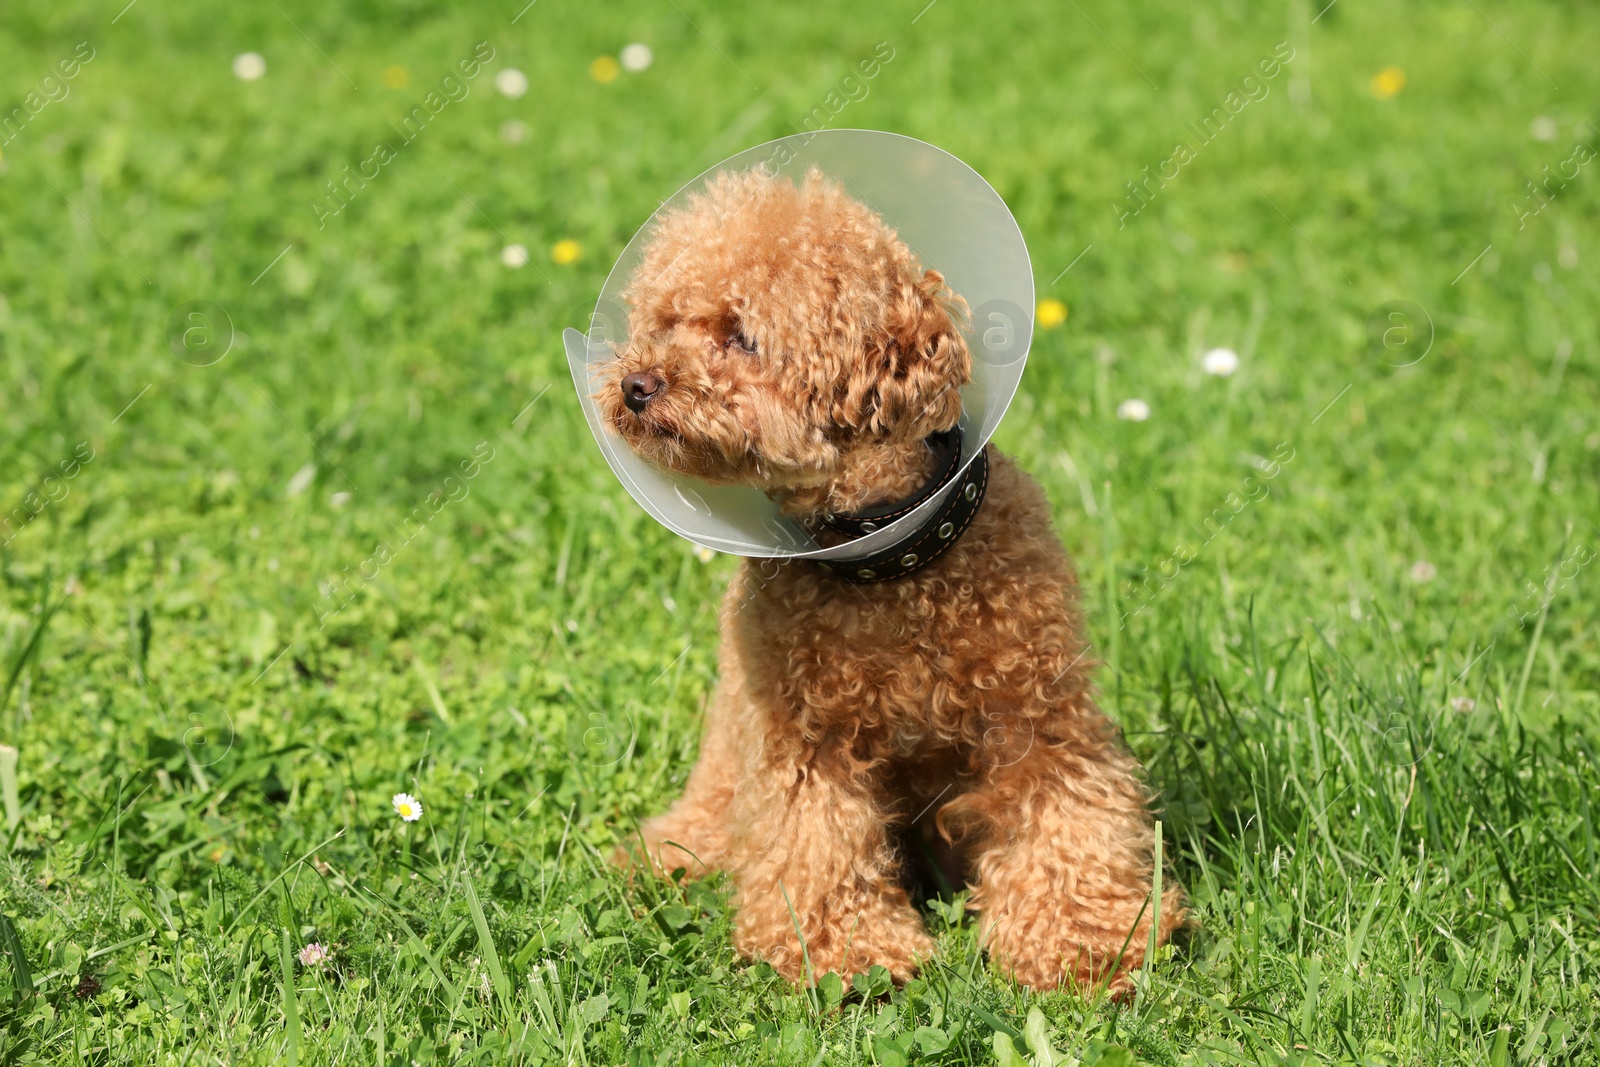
(300, 513)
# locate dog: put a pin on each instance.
(782, 335)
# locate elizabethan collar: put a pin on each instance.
(951, 219)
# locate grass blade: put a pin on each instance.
(29, 650)
(491, 958)
(1155, 909)
(12, 944)
(291, 1001)
(8, 786)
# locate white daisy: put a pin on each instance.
(514, 256)
(1220, 361)
(249, 66)
(636, 57)
(511, 82)
(407, 807)
(1133, 410)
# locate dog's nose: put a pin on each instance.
(639, 389)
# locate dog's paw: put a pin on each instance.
(900, 950)
(1075, 966)
(892, 938)
(1048, 947)
(671, 842)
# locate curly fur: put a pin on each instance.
(802, 349)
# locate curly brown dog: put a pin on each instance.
(784, 336)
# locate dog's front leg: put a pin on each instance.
(1063, 840)
(816, 874)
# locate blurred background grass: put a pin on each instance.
(1369, 702)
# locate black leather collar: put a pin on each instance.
(930, 539)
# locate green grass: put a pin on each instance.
(1378, 786)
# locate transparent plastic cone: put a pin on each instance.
(951, 219)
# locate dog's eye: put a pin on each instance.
(742, 343)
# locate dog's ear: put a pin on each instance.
(908, 384)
